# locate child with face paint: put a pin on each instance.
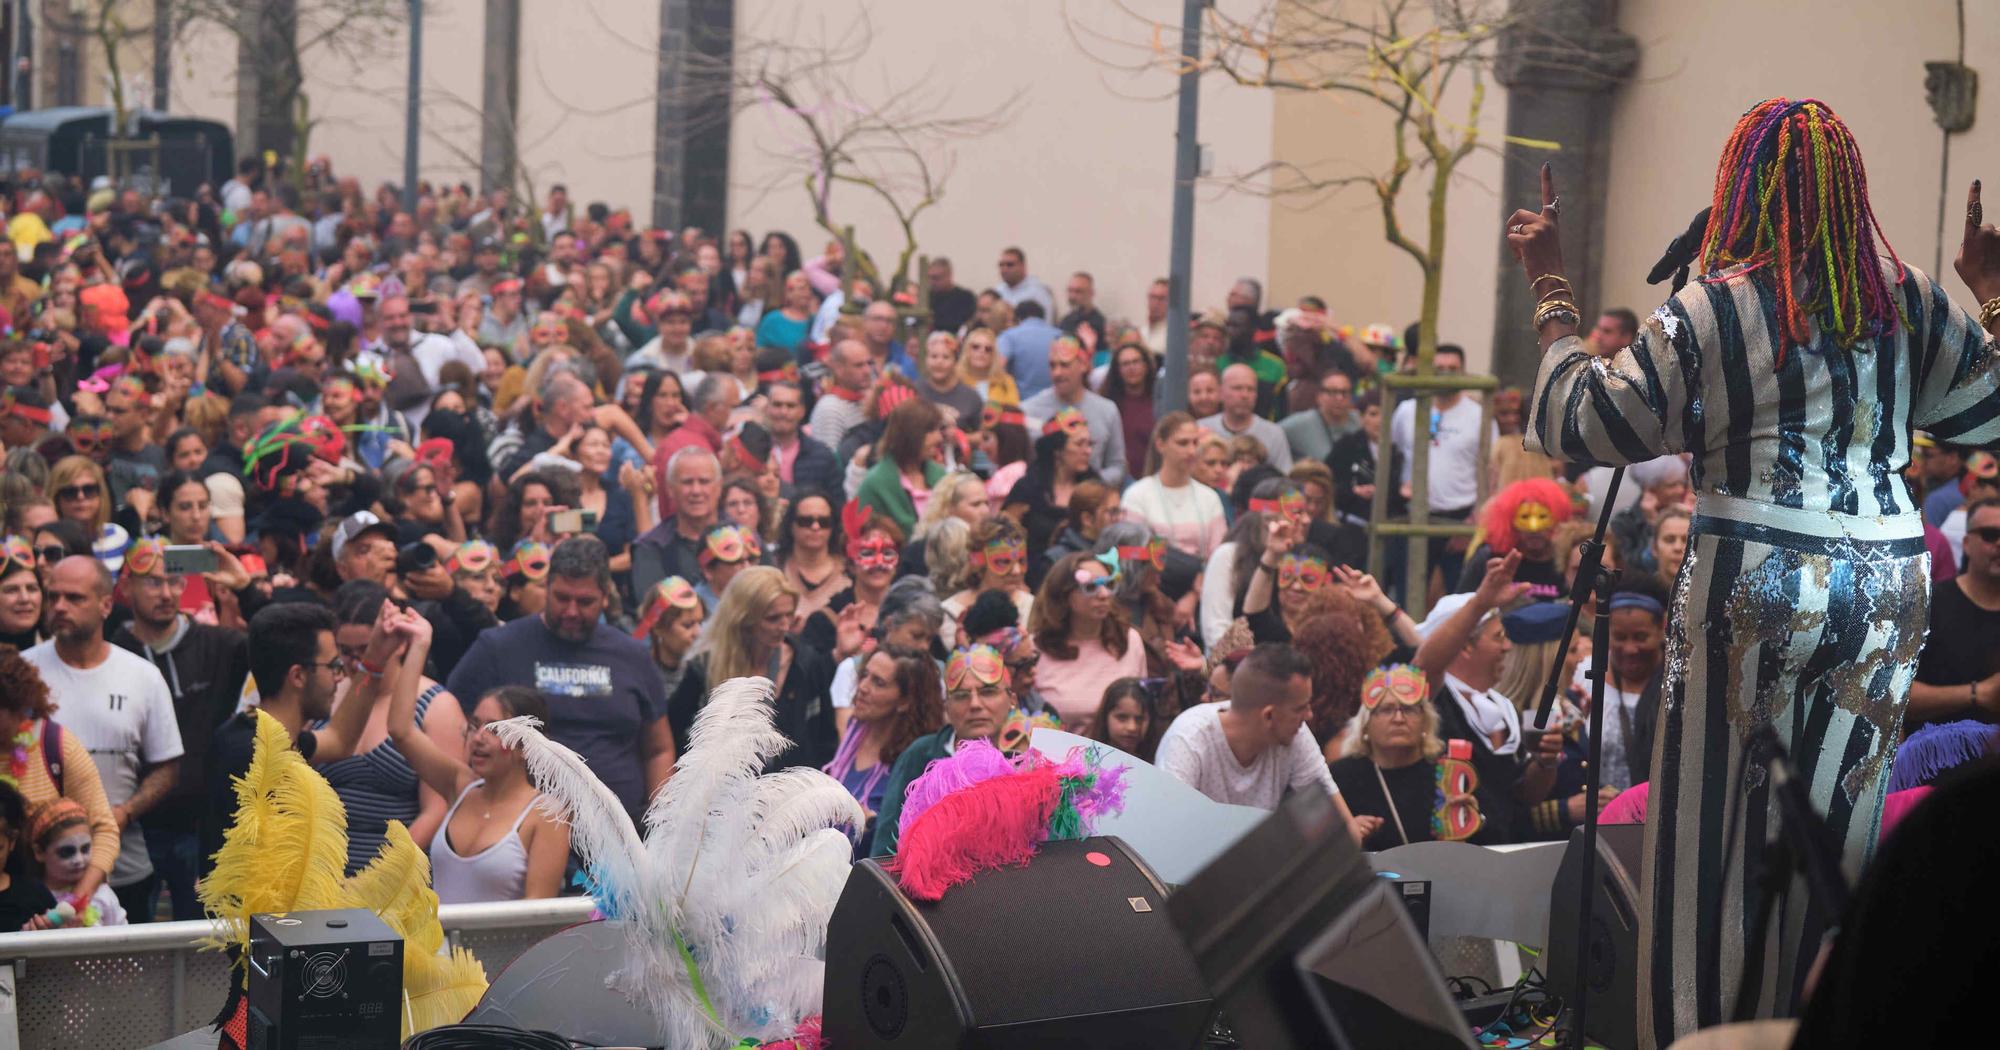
(60, 833)
(1523, 516)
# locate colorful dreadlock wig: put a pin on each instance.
(980, 809)
(1791, 195)
(1511, 511)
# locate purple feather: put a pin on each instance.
(975, 762)
(1940, 746)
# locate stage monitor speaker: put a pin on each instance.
(1072, 950)
(1612, 957)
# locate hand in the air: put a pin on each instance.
(1978, 260)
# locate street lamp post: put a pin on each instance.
(1180, 263)
(411, 120)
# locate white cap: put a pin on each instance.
(352, 526)
(1446, 607)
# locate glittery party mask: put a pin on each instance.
(729, 544)
(86, 435)
(15, 550)
(1001, 557)
(1304, 573)
(993, 415)
(1533, 517)
(1396, 684)
(147, 557)
(1457, 815)
(530, 559)
(673, 592)
(875, 552)
(1290, 505)
(33, 414)
(1982, 465)
(1154, 553)
(974, 666)
(473, 556)
(1069, 420)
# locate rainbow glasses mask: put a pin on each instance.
(1532, 517)
(730, 544)
(1457, 815)
(147, 557)
(994, 415)
(1982, 465)
(473, 556)
(876, 552)
(1396, 684)
(1068, 419)
(88, 434)
(674, 592)
(1291, 505)
(530, 559)
(1303, 573)
(1001, 558)
(15, 550)
(1154, 553)
(974, 666)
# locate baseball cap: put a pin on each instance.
(359, 524)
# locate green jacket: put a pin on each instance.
(882, 492)
(909, 766)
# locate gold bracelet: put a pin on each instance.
(1559, 278)
(1548, 306)
(1989, 311)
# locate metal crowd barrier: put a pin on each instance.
(114, 987)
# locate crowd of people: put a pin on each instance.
(392, 476)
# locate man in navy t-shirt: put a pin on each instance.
(606, 699)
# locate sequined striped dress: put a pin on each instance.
(1802, 602)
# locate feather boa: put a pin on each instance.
(1939, 746)
(979, 810)
(725, 900)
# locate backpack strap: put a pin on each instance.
(52, 753)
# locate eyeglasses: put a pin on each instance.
(814, 521)
(75, 492)
(1337, 391)
(338, 665)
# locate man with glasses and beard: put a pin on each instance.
(606, 699)
(204, 667)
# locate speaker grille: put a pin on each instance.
(885, 998)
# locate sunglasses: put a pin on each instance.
(84, 491)
(814, 521)
(1094, 585)
(1988, 535)
(54, 552)
(880, 553)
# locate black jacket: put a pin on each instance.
(803, 710)
(204, 671)
(1353, 463)
(816, 469)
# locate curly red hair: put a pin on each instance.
(1344, 640)
(22, 690)
(1499, 521)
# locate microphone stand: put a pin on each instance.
(1804, 845)
(1591, 579)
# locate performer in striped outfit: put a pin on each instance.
(1793, 369)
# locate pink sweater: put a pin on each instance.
(1076, 687)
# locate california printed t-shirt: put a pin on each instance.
(123, 714)
(602, 693)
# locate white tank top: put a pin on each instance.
(497, 873)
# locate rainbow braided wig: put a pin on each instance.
(1790, 191)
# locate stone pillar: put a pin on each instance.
(500, 95)
(691, 123)
(1560, 72)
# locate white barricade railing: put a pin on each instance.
(113, 987)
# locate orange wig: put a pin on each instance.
(1499, 522)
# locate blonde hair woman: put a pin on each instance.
(1389, 769)
(750, 636)
(980, 366)
(78, 489)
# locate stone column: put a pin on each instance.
(500, 95)
(691, 123)
(1560, 69)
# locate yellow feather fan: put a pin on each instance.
(286, 852)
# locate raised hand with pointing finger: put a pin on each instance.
(1978, 260)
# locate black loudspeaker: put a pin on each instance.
(1072, 950)
(1612, 1016)
(324, 980)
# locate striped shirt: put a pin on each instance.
(1816, 446)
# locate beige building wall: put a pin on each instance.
(1864, 59)
(1082, 178)
(589, 75)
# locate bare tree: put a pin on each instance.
(109, 24)
(892, 142)
(1424, 64)
(285, 36)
